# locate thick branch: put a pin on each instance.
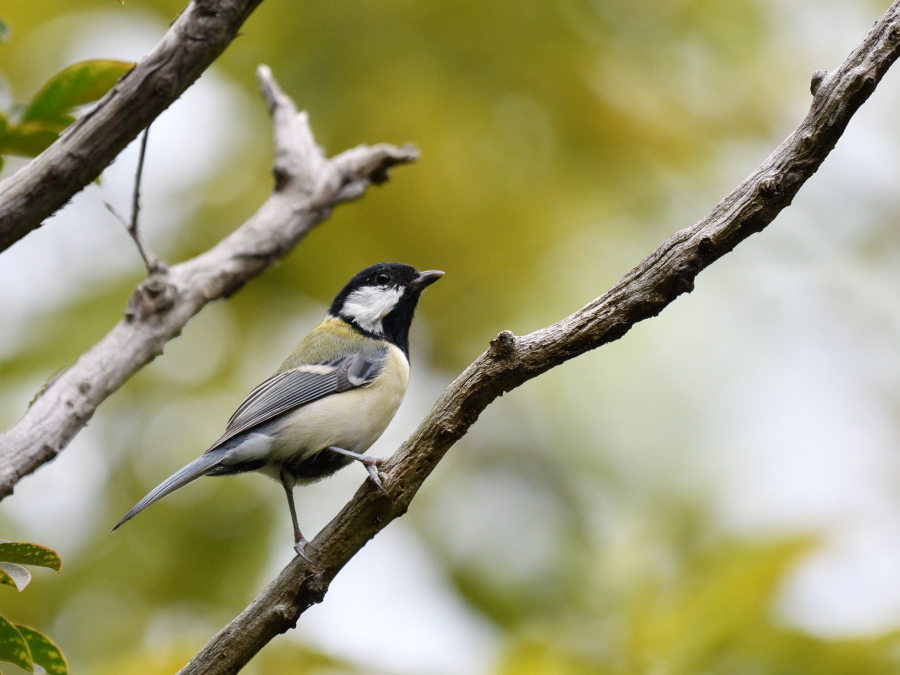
(308, 186)
(644, 292)
(195, 39)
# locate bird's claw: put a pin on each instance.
(300, 548)
(371, 464)
(372, 468)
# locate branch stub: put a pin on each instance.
(818, 78)
(504, 344)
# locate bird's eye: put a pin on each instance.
(382, 279)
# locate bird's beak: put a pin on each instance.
(426, 278)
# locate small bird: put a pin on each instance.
(329, 401)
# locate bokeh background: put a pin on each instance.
(718, 492)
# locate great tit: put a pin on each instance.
(329, 401)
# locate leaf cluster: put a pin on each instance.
(27, 129)
(20, 645)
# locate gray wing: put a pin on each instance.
(300, 386)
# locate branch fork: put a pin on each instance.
(308, 187)
(153, 264)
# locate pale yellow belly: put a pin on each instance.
(352, 420)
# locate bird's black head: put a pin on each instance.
(382, 299)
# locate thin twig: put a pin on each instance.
(153, 263)
(113, 210)
(136, 199)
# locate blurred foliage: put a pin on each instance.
(533, 118)
(280, 659)
(711, 616)
(538, 121)
(76, 85)
(20, 645)
(29, 129)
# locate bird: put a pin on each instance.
(329, 401)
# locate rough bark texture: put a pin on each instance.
(199, 34)
(308, 186)
(644, 292)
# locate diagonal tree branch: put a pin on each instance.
(510, 361)
(308, 186)
(195, 39)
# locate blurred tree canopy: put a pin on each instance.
(537, 121)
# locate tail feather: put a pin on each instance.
(199, 467)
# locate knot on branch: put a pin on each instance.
(503, 345)
(770, 187)
(683, 279)
(807, 140)
(166, 85)
(287, 615)
(314, 588)
(818, 78)
(863, 77)
(153, 296)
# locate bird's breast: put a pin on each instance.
(352, 420)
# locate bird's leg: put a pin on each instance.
(371, 464)
(299, 540)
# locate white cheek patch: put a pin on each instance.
(368, 306)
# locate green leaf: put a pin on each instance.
(23, 553)
(76, 85)
(14, 575)
(13, 648)
(44, 652)
(30, 138)
(4, 31)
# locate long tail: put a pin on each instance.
(200, 466)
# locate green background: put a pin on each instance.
(588, 523)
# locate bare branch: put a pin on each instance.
(297, 156)
(510, 361)
(196, 38)
(308, 186)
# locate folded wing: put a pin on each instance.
(300, 386)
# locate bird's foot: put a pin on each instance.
(372, 468)
(371, 464)
(300, 548)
